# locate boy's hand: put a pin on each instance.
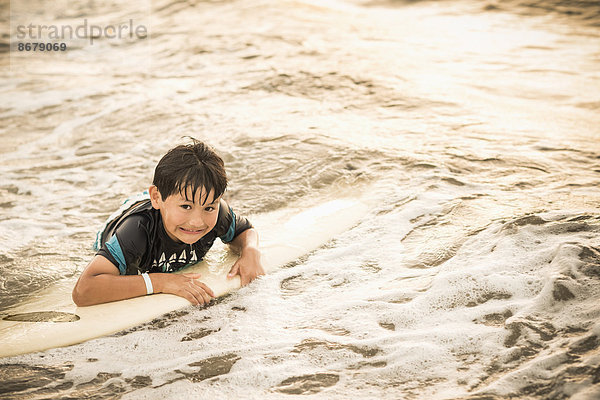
(248, 266)
(186, 286)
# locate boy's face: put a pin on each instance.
(186, 221)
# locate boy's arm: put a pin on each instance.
(101, 282)
(249, 265)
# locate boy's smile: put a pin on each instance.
(184, 220)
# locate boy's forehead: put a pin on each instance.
(199, 196)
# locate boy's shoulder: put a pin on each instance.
(138, 214)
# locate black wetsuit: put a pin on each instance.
(136, 241)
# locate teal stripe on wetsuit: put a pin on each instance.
(228, 237)
(114, 248)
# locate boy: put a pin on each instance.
(173, 225)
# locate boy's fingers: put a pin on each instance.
(202, 295)
(252, 276)
(207, 289)
(234, 270)
(193, 276)
(191, 297)
(247, 279)
(205, 297)
(199, 296)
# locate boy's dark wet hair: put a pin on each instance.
(193, 166)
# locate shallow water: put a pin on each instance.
(473, 123)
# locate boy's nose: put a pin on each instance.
(197, 221)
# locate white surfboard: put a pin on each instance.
(285, 236)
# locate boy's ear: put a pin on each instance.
(155, 197)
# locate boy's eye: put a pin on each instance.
(209, 209)
(186, 206)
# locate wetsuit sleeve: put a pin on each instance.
(229, 225)
(128, 245)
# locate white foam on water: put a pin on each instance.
(484, 321)
(358, 319)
